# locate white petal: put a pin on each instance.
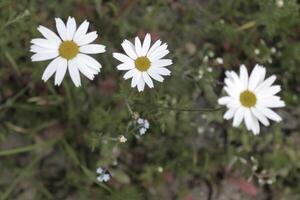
(81, 31)
(244, 76)
(238, 117)
(85, 70)
(123, 58)
(271, 102)
(130, 73)
(260, 116)
(162, 71)
(93, 70)
(159, 54)
(138, 46)
(235, 80)
(61, 29)
(141, 85)
(267, 83)
(136, 79)
(154, 47)
(106, 177)
(262, 75)
(162, 63)
(147, 79)
(234, 86)
(45, 43)
(99, 170)
(71, 28)
(93, 67)
(248, 119)
(51, 69)
(146, 44)
(233, 92)
(90, 61)
(38, 49)
(269, 114)
(268, 92)
(142, 131)
(233, 103)
(146, 124)
(224, 100)
(230, 113)
(229, 83)
(159, 49)
(255, 78)
(48, 34)
(125, 66)
(74, 72)
(155, 75)
(44, 56)
(255, 126)
(232, 89)
(129, 49)
(61, 71)
(140, 121)
(88, 38)
(92, 48)
(101, 178)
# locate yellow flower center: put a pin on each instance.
(248, 99)
(68, 49)
(142, 63)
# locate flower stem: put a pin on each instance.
(193, 109)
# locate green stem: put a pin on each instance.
(193, 109)
(18, 150)
(24, 173)
(11, 100)
(19, 17)
(127, 103)
(25, 149)
(85, 170)
(176, 109)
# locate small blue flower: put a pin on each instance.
(104, 175)
(143, 125)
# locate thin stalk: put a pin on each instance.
(25, 149)
(24, 173)
(193, 109)
(85, 170)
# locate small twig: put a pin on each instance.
(246, 26)
(178, 109)
(128, 106)
(28, 169)
(25, 149)
(24, 14)
(193, 109)
(9, 152)
(13, 63)
(90, 175)
(15, 97)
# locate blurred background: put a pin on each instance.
(52, 139)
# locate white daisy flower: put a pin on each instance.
(104, 175)
(251, 98)
(143, 125)
(144, 62)
(68, 50)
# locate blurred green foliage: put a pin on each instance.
(52, 139)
